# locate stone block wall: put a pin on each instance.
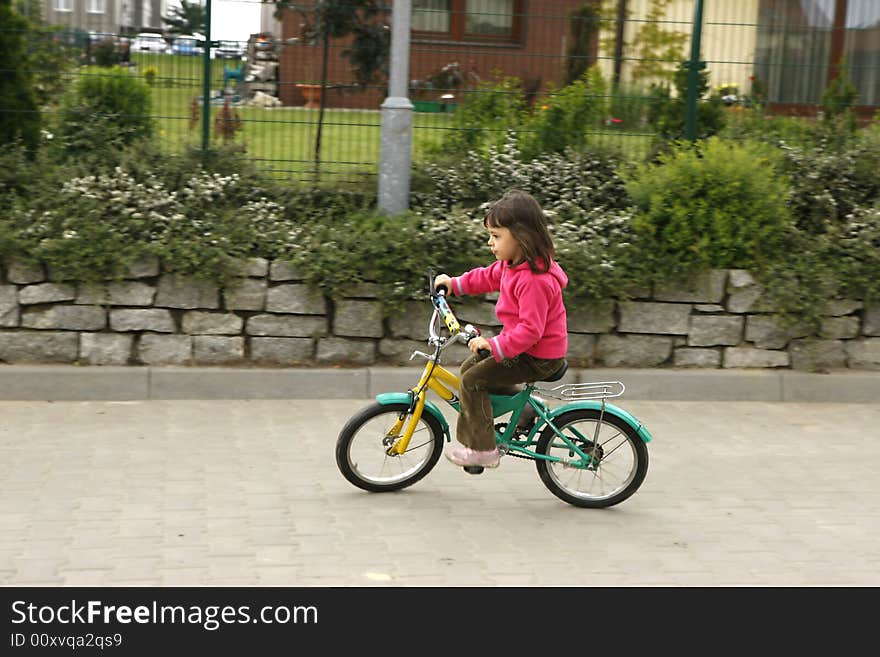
(272, 318)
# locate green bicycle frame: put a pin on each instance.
(446, 384)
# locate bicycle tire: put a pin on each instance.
(355, 448)
(624, 457)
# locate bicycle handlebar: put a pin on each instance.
(441, 307)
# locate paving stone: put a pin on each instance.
(233, 492)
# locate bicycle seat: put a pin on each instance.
(558, 374)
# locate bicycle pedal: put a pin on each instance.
(474, 469)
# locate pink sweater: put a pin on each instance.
(529, 306)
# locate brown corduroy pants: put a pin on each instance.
(479, 379)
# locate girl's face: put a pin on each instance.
(503, 244)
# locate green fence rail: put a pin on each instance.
(614, 74)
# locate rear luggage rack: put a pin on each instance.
(594, 390)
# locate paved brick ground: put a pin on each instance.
(247, 493)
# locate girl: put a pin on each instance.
(534, 336)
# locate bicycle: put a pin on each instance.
(588, 452)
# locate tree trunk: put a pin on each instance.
(324, 55)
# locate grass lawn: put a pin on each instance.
(282, 140)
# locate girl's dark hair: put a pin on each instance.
(521, 214)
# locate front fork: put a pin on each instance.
(400, 445)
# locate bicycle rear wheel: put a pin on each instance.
(361, 449)
(618, 465)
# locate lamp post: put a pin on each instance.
(397, 118)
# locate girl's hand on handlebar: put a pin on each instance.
(442, 280)
(479, 343)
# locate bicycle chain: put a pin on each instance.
(500, 428)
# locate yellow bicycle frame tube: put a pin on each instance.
(447, 315)
(434, 377)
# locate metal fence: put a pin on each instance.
(291, 101)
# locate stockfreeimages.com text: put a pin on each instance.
(211, 617)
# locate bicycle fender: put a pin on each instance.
(610, 409)
(389, 398)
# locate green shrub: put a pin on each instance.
(367, 246)
(857, 254)
(105, 53)
(755, 124)
(714, 204)
(106, 105)
(483, 118)
(150, 73)
(582, 194)
(568, 182)
(629, 105)
(829, 183)
(566, 118)
(838, 121)
(601, 255)
(50, 57)
(667, 111)
(93, 226)
(20, 118)
(799, 281)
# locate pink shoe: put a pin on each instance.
(465, 456)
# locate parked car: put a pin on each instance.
(149, 42)
(229, 50)
(97, 37)
(187, 44)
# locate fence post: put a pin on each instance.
(619, 32)
(397, 117)
(694, 66)
(206, 83)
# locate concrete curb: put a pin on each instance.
(76, 383)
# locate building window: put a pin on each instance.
(794, 42)
(862, 49)
(489, 18)
(460, 20)
(802, 42)
(63, 5)
(95, 6)
(430, 16)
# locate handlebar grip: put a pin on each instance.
(484, 354)
(442, 289)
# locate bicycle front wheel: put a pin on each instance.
(616, 467)
(362, 449)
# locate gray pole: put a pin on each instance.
(396, 140)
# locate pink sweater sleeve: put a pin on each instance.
(479, 281)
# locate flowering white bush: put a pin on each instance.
(583, 197)
(98, 223)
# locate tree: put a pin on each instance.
(188, 18)
(365, 21)
(19, 114)
(838, 99)
(585, 23)
(667, 111)
(50, 52)
(657, 50)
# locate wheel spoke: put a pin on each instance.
(616, 461)
(363, 445)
